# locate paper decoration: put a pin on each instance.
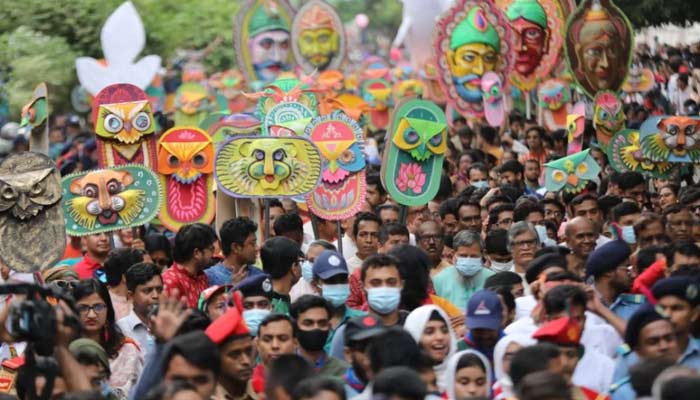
(408, 88)
(608, 117)
(124, 126)
(472, 38)
(220, 126)
(341, 191)
(671, 138)
(554, 102)
(261, 39)
(571, 173)
(598, 46)
(431, 78)
(110, 199)
(492, 93)
(229, 86)
(414, 151)
(376, 93)
(186, 165)
(625, 154)
(575, 123)
(416, 30)
(285, 91)
(80, 99)
(31, 216)
(123, 37)
(35, 115)
(191, 104)
(287, 119)
(318, 37)
(639, 80)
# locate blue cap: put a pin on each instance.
(484, 310)
(255, 285)
(329, 264)
(607, 257)
(682, 287)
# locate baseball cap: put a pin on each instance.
(484, 310)
(207, 294)
(361, 328)
(329, 264)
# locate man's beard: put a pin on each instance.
(472, 96)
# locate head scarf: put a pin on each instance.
(451, 371)
(501, 377)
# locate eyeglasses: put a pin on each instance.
(525, 243)
(96, 308)
(66, 285)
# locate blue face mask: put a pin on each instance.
(105, 388)
(337, 295)
(253, 318)
(469, 266)
(480, 184)
(384, 300)
(307, 270)
(628, 234)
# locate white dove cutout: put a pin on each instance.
(123, 37)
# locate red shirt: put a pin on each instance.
(86, 267)
(187, 285)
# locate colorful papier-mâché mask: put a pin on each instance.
(492, 93)
(220, 126)
(287, 119)
(672, 139)
(342, 188)
(34, 119)
(415, 149)
(191, 104)
(639, 80)
(575, 123)
(571, 173)
(608, 117)
(284, 91)
(272, 167)
(377, 94)
(625, 154)
(31, 216)
(262, 39)
(229, 86)
(554, 96)
(124, 126)
(186, 165)
(598, 46)
(110, 199)
(318, 37)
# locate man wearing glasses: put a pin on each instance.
(430, 238)
(523, 243)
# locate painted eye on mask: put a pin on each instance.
(113, 124)
(347, 157)
(436, 140)
(142, 121)
(411, 136)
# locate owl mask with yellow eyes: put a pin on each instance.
(571, 173)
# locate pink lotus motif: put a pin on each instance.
(411, 176)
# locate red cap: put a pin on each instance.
(682, 69)
(562, 331)
(227, 325)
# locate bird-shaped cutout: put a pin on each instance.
(625, 154)
(571, 173)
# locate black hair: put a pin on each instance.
(286, 372)
(168, 389)
(276, 203)
(140, 273)
(623, 209)
(196, 348)
(449, 206)
(364, 216)
(323, 243)
(414, 267)
(496, 242)
(373, 178)
(198, 320)
(524, 209)
(158, 242)
(479, 167)
(118, 261)
(644, 373)
(543, 384)
(468, 203)
(382, 207)
(493, 213)
(531, 359)
(578, 200)
(190, 238)
(561, 297)
(446, 188)
(647, 256)
(689, 195)
(399, 382)
(563, 276)
(498, 199)
(470, 360)
(684, 247)
(392, 348)
(673, 187)
(505, 295)
(287, 223)
(111, 338)
(274, 317)
(553, 202)
(311, 387)
(378, 261)
(278, 254)
(488, 133)
(391, 228)
(681, 388)
(502, 279)
(512, 166)
(307, 302)
(607, 202)
(236, 231)
(630, 179)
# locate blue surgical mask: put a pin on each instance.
(480, 184)
(253, 318)
(307, 270)
(469, 266)
(628, 234)
(337, 295)
(541, 232)
(501, 266)
(384, 300)
(105, 388)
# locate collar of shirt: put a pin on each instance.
(183, 271)
(89, 262)
(133, 321)
(693, 349)
(628, 298)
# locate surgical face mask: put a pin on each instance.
(497, 266)
(384, 300)
(307, 270)
(337, 295)
(628, 234)
(469, 266)
(253, 318)
(480, 184)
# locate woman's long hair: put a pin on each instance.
(111, 338)
(414, 265)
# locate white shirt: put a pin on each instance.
(594, 371)
(524, 306)
(301, 288)
(132, 326)
(354, 263)
(601, 337)
(349, 248)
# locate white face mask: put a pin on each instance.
(501, 266)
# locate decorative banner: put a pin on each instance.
(261, 39)
(571, 173)
(538, 29)
(608, 117)
(671, 138)
(625, 154)
(318, 37)
(575, 124)
(110, 199)
(31, 217)
(267, 167)
(287, 119)
(376, 93)
(472, 38)
(220, 126)
(124, 126)
(554, 96)
(123, 37)
(492, 92)
(229, 86)
(639, 80)
(191, 104)
(598, 46)
(35, 115)
(415, 149)
(342, 188)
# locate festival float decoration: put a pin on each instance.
(608, 117)
(571, 173)
(673, 139)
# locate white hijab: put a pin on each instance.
(498, 354)
(415, 325)
(451, 372)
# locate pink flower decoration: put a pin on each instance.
(412, 177)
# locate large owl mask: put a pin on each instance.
(341, 191)
(185, 165)
(673, 139)
(31, 217)
(416, 145)
(191, 104)
(253, 166)
(571, 173)
(110, 199)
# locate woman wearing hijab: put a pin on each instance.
(502, 354)
(468, 375)
(429, 326)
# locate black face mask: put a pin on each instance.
(312, 340)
